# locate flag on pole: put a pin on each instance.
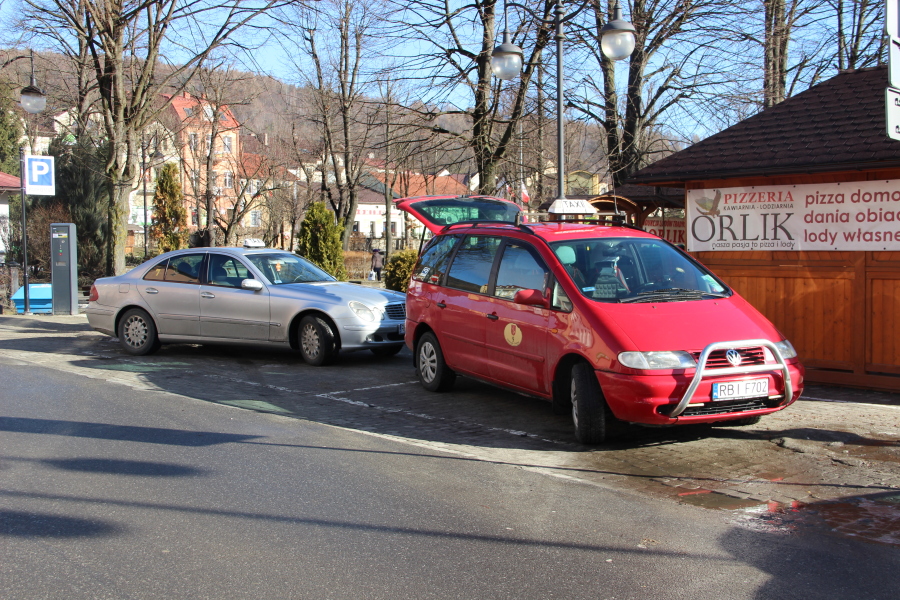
(524, 195)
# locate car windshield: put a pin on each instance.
(632, 270)
(281, 267)
(446, 211)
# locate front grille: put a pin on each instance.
(721, 408)
(749, 356)
(396, 312)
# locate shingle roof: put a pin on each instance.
(836, 125)
(9, 182)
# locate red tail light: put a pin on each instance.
(95, 295)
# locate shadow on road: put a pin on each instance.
(139, 468)
(126, 433)
(15, 523)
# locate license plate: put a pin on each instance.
(737, 390)
(401, 329)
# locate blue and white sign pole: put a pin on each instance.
(37, 178)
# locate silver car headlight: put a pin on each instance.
(786, 349)
(362, 311)
(675, 359)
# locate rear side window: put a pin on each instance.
(433, 263)
(157, 272)
(471, 268)
(519, 270)
(185, 268)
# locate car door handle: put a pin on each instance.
(207, 295)
(151, 291)
(441, 305)
(492, 317)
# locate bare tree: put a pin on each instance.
(125, 43)
(457, 71)
(679, 60)
(337, 36)
(858, 28)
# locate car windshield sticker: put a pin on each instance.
(512, 334)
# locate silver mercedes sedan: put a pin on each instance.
(245, 295)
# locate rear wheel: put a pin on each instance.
(137, 333)
(590, 414)
(317, 342)
(433, 372)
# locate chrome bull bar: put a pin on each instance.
(702, 370)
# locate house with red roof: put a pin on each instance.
(208, 143)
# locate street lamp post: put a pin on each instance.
(616, 42)
(33, 100)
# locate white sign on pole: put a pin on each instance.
(892, 19)
(39, 176)
(892, 29)
(892, 113)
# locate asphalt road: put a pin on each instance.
(112, 491)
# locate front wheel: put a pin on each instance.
(317, 342)
(137, 333)
(590, 414)
(433, 372)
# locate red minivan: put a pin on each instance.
(606, 321)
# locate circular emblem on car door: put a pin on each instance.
(734, 357)
(513, 334)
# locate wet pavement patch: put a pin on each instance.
(714, 500)
(869, 518)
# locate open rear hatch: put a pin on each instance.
(436, 212)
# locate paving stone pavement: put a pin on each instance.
(831, 460)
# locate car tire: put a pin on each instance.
(433, 372)
(317, 341)
(591, 416)
(387, 351)
(137, 333)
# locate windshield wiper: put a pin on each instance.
(671, 295)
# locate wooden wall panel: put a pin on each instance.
(814, 313)
(884, 325)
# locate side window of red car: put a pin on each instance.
(433, 263)
(519, 270)
(471, 267)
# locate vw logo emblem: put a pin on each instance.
(734, 357)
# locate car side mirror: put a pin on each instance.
(251, 284)
(531, 298)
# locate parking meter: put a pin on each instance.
(64, 268)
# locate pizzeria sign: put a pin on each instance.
(860, 215)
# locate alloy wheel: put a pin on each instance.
(427, 362)
(312, 344)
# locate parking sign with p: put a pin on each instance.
(39, 179)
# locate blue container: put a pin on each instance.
(40, 298)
